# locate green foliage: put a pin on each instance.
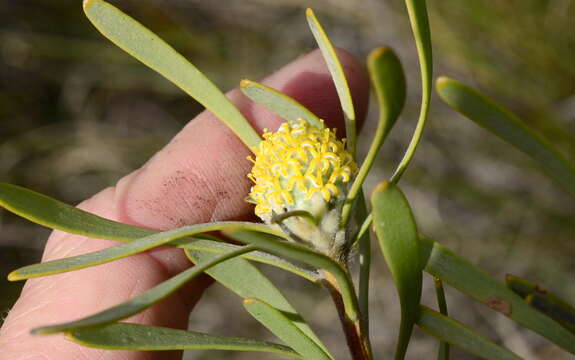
(143, 301)
(420, 25)
(456, 333)
(124, 250)
(303, 254)
(388, 81)
(338, 76)
(278, 102)
(244, 279)
(147, 47)
(126, 336)
(543, 300)
(405, 251)
(399, 242)
(486, 113)
(54, 214)
(279, 324)
(459, 273)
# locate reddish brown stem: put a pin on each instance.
(356, 339)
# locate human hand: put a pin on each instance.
(200, 176)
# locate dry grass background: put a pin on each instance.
(77, 113)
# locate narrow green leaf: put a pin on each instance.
(303, 254)
(244, 279)
(126, 336)
(420, 25)
(338, 76)
(218, 247)
(142, 301)
(144, 45)
(126, 249)
(399, 241)
(388, 80)
(280, 325)
(524, 288)
(54, 214)
(543, 300)
(489, 115)
(279, 103)
(459, 273)
(364, 251)
(563, 315)
(459, 335)
(521, 287)
(443, 353)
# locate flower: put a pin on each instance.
(302, 169)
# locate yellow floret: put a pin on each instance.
(294, 163)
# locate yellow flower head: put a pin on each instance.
(296, 164)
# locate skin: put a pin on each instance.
(199, 176)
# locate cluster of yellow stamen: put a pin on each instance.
(295, 162)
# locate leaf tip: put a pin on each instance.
(14, 276)
(87, 3)
(39, 331)
(442, 81)
(244, 83)
(377, 53)
(309, 13)
(382, 186)
(509, 278)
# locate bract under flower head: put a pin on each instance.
(301, 167)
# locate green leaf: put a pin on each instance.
(489, 115)
(459, 273)
(457, 334)
(284, 328)
(399, 241)
(244, 279)
(556, 310)
(543, 300)
(388, 80)
(54, 214)
(524, 288)
(420, 25)
(218, 247)
(126, 249)
(363, 239)
(279, 103)
(144, 45)
(303, 254)
(142, 301)
(338, 76)
(126, 336)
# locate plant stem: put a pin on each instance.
(357, 339)
(443, 353)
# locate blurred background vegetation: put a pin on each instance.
(77, 114)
